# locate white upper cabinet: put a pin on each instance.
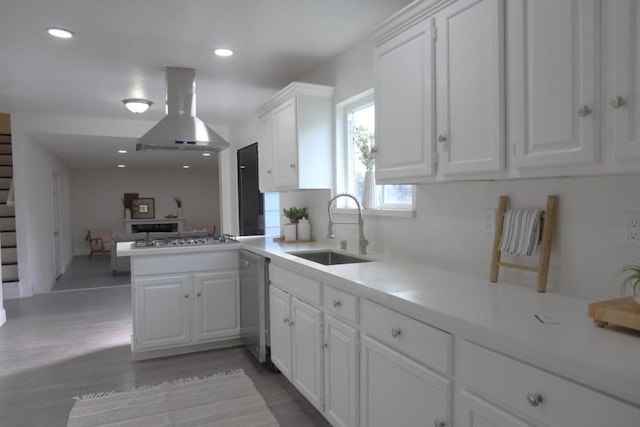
(554, 83)
(621, 96)
(296, 131)
(405, 106)
(470, 82)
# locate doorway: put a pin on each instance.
(250, 199)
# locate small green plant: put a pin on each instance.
(632, 280)
(178, 201)
(364, 140)
(296, 214)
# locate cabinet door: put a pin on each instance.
(279, 320)
(554, 67)
(265, 156)
(405, 106)
(341, 373)
(470, 76)
(476, 412)
(217, 306)
(307, 364)
(625, 71)
(396, 391)
(285, 141)
(162, 313)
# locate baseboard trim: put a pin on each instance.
(152, 354)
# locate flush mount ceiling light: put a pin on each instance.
(223, 52)
(137, 105)
(186, 167)
(122, 151)
(60, 33)
(120, 166)
(206, 154)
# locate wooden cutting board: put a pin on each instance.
(620, 311)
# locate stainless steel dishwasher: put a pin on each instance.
(254, 304)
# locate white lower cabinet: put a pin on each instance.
(397, 391)
(296, 343)
(217, 312)
(531, 394)
(341, 362)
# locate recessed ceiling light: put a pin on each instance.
(122, 151)
(206, 154)
(60, 33)
(186, 167)
(137, 105)
(223, 52)
(120, 166)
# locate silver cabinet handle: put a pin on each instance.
(396, 332)
(286, 320)
(617, 102)
(584, 111)
(337, 303)
(442, 138)
(186, 295)
(290, 323)
(534, 399)
(269, 171)
(293, 165)
(325, 345)
(439, 423)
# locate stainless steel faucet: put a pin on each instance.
(361, 240)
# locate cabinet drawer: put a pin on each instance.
(510, 384)
(422, 342)
(301, 286)
(342, 303)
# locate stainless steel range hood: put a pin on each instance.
(181, 130)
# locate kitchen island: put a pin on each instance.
(184, 298)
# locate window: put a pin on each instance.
(356, 121)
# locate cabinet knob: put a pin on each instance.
(442, 138)
(439, 423)
(584, 111)
(186, 295)
(293, 165)
(534, 399)
(286, 320)
(617, 102)
(396, 332)
(199, 294)
(325, 345)
(337, 303)
(269, 171)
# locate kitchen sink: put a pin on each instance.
(329, 257)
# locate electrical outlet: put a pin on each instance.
(490, 220)
(633, 227)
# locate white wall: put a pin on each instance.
(97, 198)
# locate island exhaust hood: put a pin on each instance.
(181, 130)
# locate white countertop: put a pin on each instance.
(498, 315)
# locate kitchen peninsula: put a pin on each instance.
(184, 298)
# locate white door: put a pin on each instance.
(57, 249)
(285, 140)
(280, 331)
(265, 157)
(217, 306)
(470, 78)
(553, 91)
(307, 361)
(405, 106)
(396, 391)
(476, 412)
(341, 363)
(163, 311)
(621, 98)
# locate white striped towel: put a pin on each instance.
(521, 231)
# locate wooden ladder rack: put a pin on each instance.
(548, 225)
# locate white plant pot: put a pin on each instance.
(127, 214)
(304, 229)
(289, 232)
(179, 212)
(369, 191)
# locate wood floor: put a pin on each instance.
(63, 344)
(85, 273)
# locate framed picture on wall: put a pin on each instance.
(143, 208)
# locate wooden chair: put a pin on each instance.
(99, 241)
(548, 225)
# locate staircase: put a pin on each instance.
(7, 215)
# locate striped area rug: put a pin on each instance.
(227, 399)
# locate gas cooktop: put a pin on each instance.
(191, 240)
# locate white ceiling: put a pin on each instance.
(122, 48)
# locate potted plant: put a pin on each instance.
(294, 215)
(632, 281)
(364, 141)
(178, 201)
